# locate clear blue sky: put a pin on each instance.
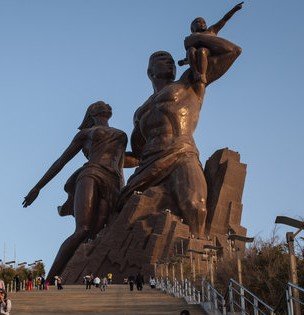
(58, 56)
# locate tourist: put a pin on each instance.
(110, 277)
(30, 282)
(139, 282)
(17, 283)
(96, 282)
(88, 280)
(38, 283)
(59, 283)
(42, 286)
(2, 284)
(104, 283)
(5, 303)
(152, 282)
(131, 280)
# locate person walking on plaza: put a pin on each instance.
(139, 282)
(152, 282)
(131, 280)
(30, 282)
(5, 303)
(110, 277)
(42, 281)
(96, 282)
(2, 284)
(104, 283)
(17, 283)
(88, 280)
(59, 283)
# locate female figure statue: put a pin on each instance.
(95, 187)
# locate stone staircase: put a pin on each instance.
(117, 299)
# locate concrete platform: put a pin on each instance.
(117, 299)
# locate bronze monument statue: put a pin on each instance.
(164, 203)
(162, 138)
(94, 188)
(167, 206)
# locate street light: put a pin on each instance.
(290, 237)
(240, 238)
(211, 251)
(32, 264)
(22, 264)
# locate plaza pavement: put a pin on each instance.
(117, 299)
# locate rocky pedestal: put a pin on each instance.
(144, 233)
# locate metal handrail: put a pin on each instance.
(211, 295)
(290, 297)
(181, 290)
(251, 299)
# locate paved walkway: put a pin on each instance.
(117, 299)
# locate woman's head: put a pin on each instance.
(99, 108)
(161, 66)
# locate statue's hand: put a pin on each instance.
(32, 195)
(239, 6)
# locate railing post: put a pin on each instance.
(256, 306)
(215, 301)
(224, 306)
(203, 291)
(289, 300)
(186, 287)
(231, 303)
(193, 294)
(243, 306)
(208, 293)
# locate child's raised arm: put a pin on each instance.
(220, 24)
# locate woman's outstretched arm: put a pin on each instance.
(67, 155)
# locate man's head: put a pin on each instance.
(161, 66)
(198, 25)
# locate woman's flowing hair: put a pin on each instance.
(94, 109)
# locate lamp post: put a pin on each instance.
(10, 263)
(192, 264)
(290, 237)
(244, 239)
(211, 252)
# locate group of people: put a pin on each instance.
(138, 280)
(39, 283)
(98, 282)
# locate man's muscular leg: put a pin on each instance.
(190, 191)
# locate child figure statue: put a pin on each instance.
(195, 48)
